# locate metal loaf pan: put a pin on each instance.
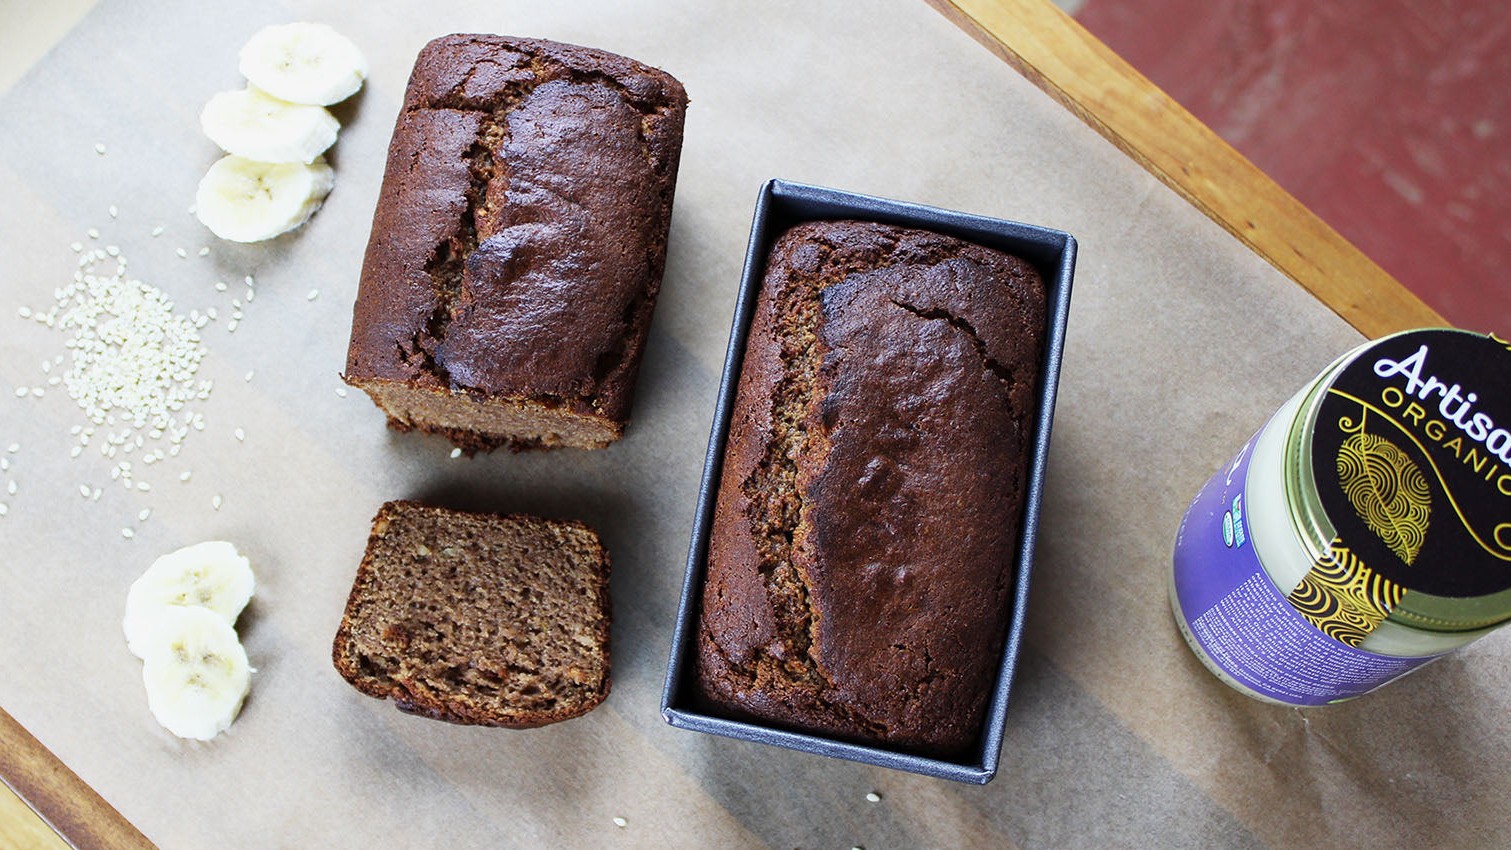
(779, 206)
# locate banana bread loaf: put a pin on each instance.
(478, 618)
(866, 526)
(518, 243)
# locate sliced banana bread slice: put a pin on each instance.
(479, 618)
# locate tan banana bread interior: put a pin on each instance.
(479, 618)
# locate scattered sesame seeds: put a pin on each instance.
(216, 502)
(220, 286)
(21, 392)
(157, 231)
(4, 464)
(127, 533)
(4, 509)
(182, 254)
(142, 516)
(76, 246)
(250, 294)
(232, 325)
(456, 453)
(99, 148)
(36, 392)
(92, 233)
(341, 391)
(314, 293)
(143, 486)
(113, 211)
(24, 312)
(113, 250)
(10, 487)
(873, 797)
(13, 448)
(240, 434)
(620, 822)
(204, 251)
(95, 496)
(184, 476)
(248, 377)
(75, 451)
(249, 281)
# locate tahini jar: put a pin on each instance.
(1364, 531)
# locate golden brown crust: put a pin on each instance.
(866, 527)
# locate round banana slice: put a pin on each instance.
(196, 673)
(304, 63)
(258, 126)
(210, 575)
(247, 201)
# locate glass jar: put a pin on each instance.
(1364, 531)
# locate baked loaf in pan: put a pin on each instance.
(867, 521)
(478, 618)
(518, 243)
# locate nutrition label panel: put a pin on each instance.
(1277, 652)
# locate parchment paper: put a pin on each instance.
(1181, 343)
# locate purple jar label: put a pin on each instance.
(1244, 624)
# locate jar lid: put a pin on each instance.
(1400, 477)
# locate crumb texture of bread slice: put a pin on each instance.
(479, 618)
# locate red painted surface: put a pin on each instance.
(1390, 119)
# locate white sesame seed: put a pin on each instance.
(240, 434)
(4, 464)
(248, 377)
(204, 251)
(36, 392)
(249, 281)
(145, 512)
(92, 233)
(143, 486)
(99, 148)
(250, 294)
(232, 325)
(95, 496)
(341, 391)
(314, 293)
(84, 490)
(182, 254)
(22, 391)
(620, 822)
(127, 533)
(184, 476)
(157, 231)
(4, 509)
(191, 209)
(210, 311)
(13, 448)
(215, 502)
(456, 453)
(10, 487)
(113, 211)
(24, 312)
(113, 250)
(76, 451)
(220, 286)
(873, 797)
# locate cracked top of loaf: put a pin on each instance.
(867, 521)
(520, 237)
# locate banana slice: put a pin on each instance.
(304, 63)
(196, 672)
(256, 125)
(247, 201)
(208, 575)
